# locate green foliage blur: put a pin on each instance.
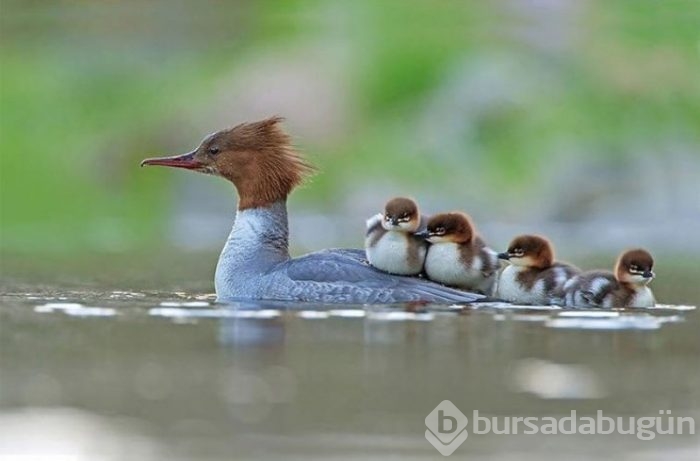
(88, 89)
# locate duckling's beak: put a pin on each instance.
(648, 275)
(505, 256)
(424, 234)
(186, 161)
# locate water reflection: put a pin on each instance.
(251, 331)
(549, 380)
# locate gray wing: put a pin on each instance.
(374, 224)
(569, 268)
(341, 275)
(595, 296)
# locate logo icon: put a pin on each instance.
(446, 428)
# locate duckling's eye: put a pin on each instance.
(518, 251)
(439, 230)
(634, 268)
(213, 150)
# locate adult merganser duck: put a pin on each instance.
(533, 277)
(626, 287)
(457, 256)
(391, 244)
(259, 160)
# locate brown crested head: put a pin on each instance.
(257, 157)
(401, 213)
(635, 266)
(401, 207)
(531, 251)
(455, 227)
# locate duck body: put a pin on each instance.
(625, 287)
(393, 251)
(457, 256)
(391, 243)
(255, 264)
(532, 275)
(470, 266)
(525, 285)
(602, 289)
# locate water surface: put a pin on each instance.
(146, 375)
(113, 357)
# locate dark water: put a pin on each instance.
(92, 374)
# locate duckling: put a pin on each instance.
(391, 244)
(532, 277)
(457, 256)
(626, 287)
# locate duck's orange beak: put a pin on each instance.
(186, 161)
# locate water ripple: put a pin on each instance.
(401, 316)
(189, 310)
(621, 322)
(185, 304)
(76, 310)
(175, 312)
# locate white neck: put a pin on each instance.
(258, 241)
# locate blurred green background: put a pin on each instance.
(576, 119)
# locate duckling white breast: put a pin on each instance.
(643, 298)
(445, 264)
(510, 289)
(396, 253)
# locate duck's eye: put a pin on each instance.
(440, 230)
(634, 268)
(518, 252)
(213, 150)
